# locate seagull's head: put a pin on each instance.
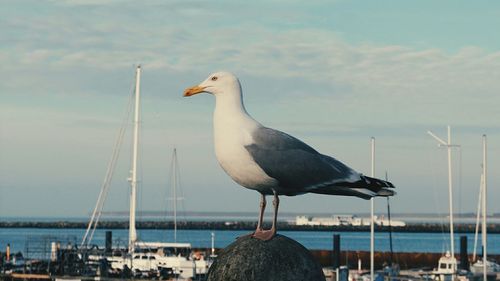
(218, 84)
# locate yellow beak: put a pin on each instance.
(193, 91)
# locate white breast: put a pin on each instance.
(230, 137)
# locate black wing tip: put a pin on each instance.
(381, 188)
(377, 182)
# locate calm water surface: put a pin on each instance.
(19, 239)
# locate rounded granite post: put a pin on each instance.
(279, 259)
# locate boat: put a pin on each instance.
(142, 259)
(492, 269)
(447, 268)
(346, 220)
(174, 260)
(477, 269)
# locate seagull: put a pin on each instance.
(272, 162)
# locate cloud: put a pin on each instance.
(358, 75)
(74, 40)
(71, 67)
(88, 2)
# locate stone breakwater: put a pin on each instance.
(244, 225)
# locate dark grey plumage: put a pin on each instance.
(299, 168)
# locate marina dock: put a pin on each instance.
(68, 262)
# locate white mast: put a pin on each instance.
(478, 214)
(132, 237)
(484, 229)
(175, 181)
(372, 221)
(213, 244)
(448, 145)
(450, 190)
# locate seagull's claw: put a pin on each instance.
(264, 235)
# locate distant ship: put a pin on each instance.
(346, 220)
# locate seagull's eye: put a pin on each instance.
(214, 78)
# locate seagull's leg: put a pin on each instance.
(261, 218)
(261, 213)
(276, 204)
(269, 234)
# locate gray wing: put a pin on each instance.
(297, 167)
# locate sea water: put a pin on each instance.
(21, 239)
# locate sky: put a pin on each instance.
(331, 73)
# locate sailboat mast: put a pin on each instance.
(478, 214)
(448, 145)
(132, 237)
(390, 223)
(450, 197)
(372, 219)
(175, 193)
(484, 229)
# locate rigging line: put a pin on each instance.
(91, 222)
(107, 180)
(163, 202)
(476, 233)
(390, 224)
(170, 193)
(110, 177)
(165, 199)
(177, 186)
(176, 181)
(459, 179)
(140, 177)
(436, 200)
(116, 154)
(181, 191)
(390, 228)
